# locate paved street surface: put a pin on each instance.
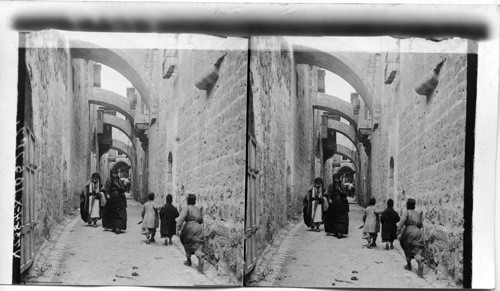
(312, 259)
(83, 255)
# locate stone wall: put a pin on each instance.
(205, 133)
(425, 136)
(82, 129)
(62, 129)
(283, 122)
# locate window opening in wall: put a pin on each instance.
(391, 172)
(321, 81)
(144, 109)
(368, 115)
(169, 173)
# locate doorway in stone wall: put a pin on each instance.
(391, 178)
(169, 173)
(251, 213)
(28, 220)
(251, 207)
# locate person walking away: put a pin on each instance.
(190, 231)
(412, 237)
(115, 212)
(150, 221)
(389, 220)
(168, 214)
(371, 223)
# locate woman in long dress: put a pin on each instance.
(115, 210)
(190, 231)
(313, 209)
(337, 216)
(412, 238)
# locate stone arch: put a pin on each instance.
(88, 51)
(334, 105)
(120, 124)
(120, 164)
(111, 100)
(344, 129)
(327, 61)
(120, 146)
(346, 169)
(347, 153)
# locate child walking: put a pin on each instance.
(150, 219)
(389, 220)
(372, 224)
(168, 214)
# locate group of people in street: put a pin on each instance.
(105, 201)
(331, 208)
(188, 228)
(407, 229)
(109, 203)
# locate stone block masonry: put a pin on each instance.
(205, 132)
(187, 141)
(426, 138)
(61, 126)
(285, 146)
(417, 149)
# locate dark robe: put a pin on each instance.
(114, 214)
(190, 221)
(412, 238)
(306, 209)
(389, 220)
(336, 218)
(85, 199)
(168, 214)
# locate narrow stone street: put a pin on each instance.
(311, 259)
(83, 255)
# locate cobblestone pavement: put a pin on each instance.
(311, 259)
(83, 255)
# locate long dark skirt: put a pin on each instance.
(114, 218)
(167, 227)
(306, 211)
(192, 237)
(412, 241)
(342, 223)
(389, 232)
(336, 221)
(329, 219)
(84, 212)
